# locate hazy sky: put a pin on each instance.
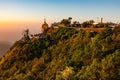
(19, 14)
(35, 10)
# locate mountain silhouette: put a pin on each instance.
(64, 54)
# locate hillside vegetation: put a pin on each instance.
(65, 54)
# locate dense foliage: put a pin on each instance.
(64, 54)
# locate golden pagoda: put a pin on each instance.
(44, 26)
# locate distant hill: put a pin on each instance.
(4, 47)
(65, 54)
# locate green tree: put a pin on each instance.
(26, 36)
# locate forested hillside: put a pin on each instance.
(65, 54)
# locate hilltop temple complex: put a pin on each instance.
(45, 29)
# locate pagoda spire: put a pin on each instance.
(44, 20)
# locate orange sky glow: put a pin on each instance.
(12, 31)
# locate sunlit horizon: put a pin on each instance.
(17, 15)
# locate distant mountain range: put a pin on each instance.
(4, 47)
